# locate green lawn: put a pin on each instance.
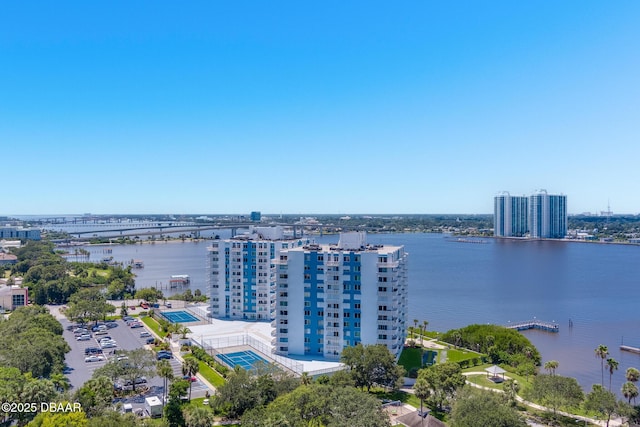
(153, 325)
(214, 378)
(410, 358)
(454, 355)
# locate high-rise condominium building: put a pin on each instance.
(241, 273)
(329, 297)
(547, 215)
(510, 215)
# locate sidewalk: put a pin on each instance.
(614, 422)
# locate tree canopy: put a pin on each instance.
(372, 364)
(474, 408)
(443, 380)
(503, 345)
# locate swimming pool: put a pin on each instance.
(180, 316)
(245, 359)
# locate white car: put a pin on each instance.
(94, 358)
(106, 340)
(108, 345)
(145, 334)
(83, 338)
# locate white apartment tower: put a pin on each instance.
(510, 215)
(329, 297)
(241, 273)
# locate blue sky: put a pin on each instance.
(327, 107)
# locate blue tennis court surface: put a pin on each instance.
(245, 359)
(180, 317)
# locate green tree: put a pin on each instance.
(422, 391)
(602, 351)
(372, 364)
(59, 419)
(444, 380)
(173, 409)
(612, 365)
(555, 391)
(237, 394)
(89, 305)
(139, 363)
(320, 405)
(481, 408)
(164, 371)
(601, 401)
(629, 391)
(190, 367)
(551, 366)
(151, 295)
(198, 416)
(511, 389)
(632, 374)
(95, 395)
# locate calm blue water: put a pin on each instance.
(454, 284)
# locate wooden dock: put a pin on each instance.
(630, 349)
(534, 324)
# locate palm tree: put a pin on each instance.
(415, 326)
(632, 375)
(457, 338)
(424, 330)
(60, 382)
(602, 351)
(305, 379)
(612, 364)
(190, 367)
(551, 366)
(630, 391)
(183, 331)
(165, 371)
(422, 390)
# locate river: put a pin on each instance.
(453, 284)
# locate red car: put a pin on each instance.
(188, 378)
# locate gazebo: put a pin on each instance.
(494, 372)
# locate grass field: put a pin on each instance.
(214, 378)
(153, 325)
(410, 358)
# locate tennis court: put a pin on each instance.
(245, 359)
(180, 317)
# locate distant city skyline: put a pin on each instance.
(344, 108)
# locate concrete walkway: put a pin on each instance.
(612, 423)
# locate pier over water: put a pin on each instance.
(534, 324)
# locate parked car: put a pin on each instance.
(105, 338)
(108, 345)
(190, 378)
(151, 340)
(145, 334)
(127, 318)
(168, 305)
(92, 350)
(166, 356)
(85, 337)
(105, 332)
(94, 358)
(80, 331)
(119, 358)
(111, 325)
(136, 325)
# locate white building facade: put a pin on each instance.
(510, 215)
(547, 215)
(241, 274)
(329, 297)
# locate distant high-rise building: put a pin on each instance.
(510, 215)
(547, 215)
(329, 297)
(256, 216)
(540, 215)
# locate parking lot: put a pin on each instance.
(78, 371)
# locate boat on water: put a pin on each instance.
(136, 263)
(179, 280)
